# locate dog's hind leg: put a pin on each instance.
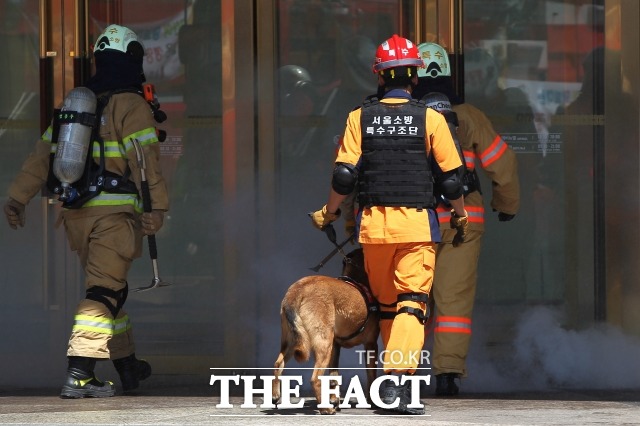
(333, 371)
(275, 386)
(323, 350)
(371, 354)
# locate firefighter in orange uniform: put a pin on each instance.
(102, 210)
(456, 268)
(387, 148)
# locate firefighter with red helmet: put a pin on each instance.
(387, 150)
(102, 209)
(455, 279)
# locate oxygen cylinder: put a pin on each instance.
(74, 138)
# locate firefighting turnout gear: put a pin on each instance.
(14, 210)
(119, 157)
(106, 245)
(456, 271)
(322, 217)
(482, 146)
(454, 293)
(106, 231)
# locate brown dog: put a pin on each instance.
(320, 315)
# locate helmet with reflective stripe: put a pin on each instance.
(436, 61)
(119, 38)
(396, 52)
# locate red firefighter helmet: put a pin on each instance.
(397, 52)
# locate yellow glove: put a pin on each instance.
(322, 217)
(460, 224)
(14, 210)
(152, 222)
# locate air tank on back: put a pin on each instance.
(74, 138)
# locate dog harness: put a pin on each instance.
(372, 304)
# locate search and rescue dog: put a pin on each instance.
(319, 315)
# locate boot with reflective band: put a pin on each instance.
(80, 385)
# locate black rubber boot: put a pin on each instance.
(131, 371)
(446, 384)
(81, 382)
(392, 392)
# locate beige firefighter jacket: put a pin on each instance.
(126, 117)
(483, 147)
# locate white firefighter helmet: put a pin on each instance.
(119, 38)
(436, 61)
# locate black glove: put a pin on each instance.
(505, 217)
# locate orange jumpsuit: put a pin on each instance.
(399, 244)
(105, 231)
(456, 268)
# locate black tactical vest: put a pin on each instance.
(394, 170)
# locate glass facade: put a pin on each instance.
(257, 94)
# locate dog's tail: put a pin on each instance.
(294, 340)
(292, 343)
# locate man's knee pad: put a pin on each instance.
(417, 312)
(102, 295)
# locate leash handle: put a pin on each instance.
(331, 233)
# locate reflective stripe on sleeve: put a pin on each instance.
(453, 325)
(494, 152)
(476, 214)
(469, 159)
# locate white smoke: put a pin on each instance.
(546, 355)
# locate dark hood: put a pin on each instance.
(116, 70)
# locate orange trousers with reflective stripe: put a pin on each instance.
(107, 245)
(394, 269)
(454, 292)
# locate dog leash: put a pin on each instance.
(331, 234)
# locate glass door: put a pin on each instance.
(40, 277)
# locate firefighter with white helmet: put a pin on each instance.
(456, 268)
(387, 150)
(102, 209)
